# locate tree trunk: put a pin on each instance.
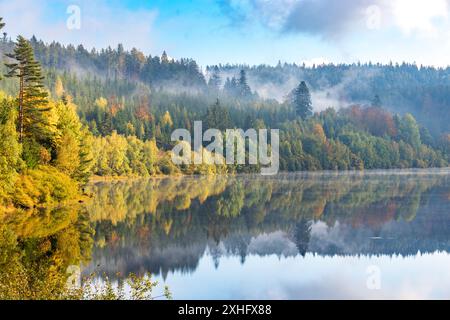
(21, 109)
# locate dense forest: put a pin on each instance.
(67, 113)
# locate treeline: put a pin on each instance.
(47, 153)
(359, 138)
(57, 129)
(117, 64)
(423, 91)
(403, 88)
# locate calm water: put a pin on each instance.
(381, 234)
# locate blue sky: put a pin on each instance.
(248, 31)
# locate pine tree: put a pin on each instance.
(164, 58)
(86, 154)
(244, 88)
(32, 100)
(215, 81)
(218, 117)
(231, 87)
(302, 101)
(2, 24)
(106, 127)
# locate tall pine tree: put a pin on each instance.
(302, 101)
(33, 99)
(244, 88)
(215, 81)
(2, 24)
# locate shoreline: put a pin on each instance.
(96, 178)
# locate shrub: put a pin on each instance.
(43, 186)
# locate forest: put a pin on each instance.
(67, 114)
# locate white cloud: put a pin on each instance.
(329, 18)
(101, 24)
(418, 15)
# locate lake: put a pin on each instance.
(357, 235)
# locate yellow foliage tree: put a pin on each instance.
(68, 154)
(320, 133)
(59, 88)
(167, 119)
(101, 102)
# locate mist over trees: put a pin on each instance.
(402, 88)
(111, 113)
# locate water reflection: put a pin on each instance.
(172, 227)
(38, 246)
(290, 236)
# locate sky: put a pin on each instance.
(246, 31)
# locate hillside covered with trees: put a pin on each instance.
(67, 114)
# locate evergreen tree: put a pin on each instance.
(302, 101)
(2, 24)
(244, 88)
(218, 117)
(302, 236)
(215, 81)
(86, 154)
(106, 127)
(230, 87)
(32, 100)
(164, 58)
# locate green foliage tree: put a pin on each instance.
(32, 100)
(244, 88)
(215, 80)
(10, 149)
(409, 131)
(2, 25)
(217, 117)
(302, 101)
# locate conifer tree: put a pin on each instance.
(244, 88)
(302, 101)
(218, 117)
(2, 24)
(32, 100)
(215, 81)
(164, 58)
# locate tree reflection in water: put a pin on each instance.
(163, 225)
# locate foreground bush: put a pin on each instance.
(42, 187)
